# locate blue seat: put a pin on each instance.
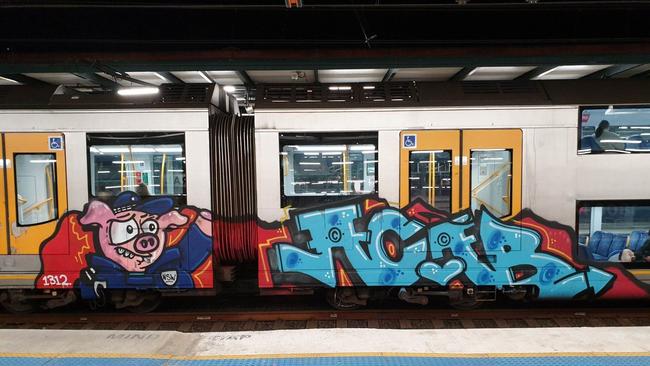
(601, 245)
(618, 244)
(637, 239)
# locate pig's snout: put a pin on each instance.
(146, 243)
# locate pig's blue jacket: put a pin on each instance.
(184, 258)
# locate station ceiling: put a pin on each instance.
(95, 45)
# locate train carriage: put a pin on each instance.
(463, 190)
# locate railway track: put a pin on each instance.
(206, 321)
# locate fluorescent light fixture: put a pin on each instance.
(308, 163)
(169, 149)
(427, 152)
(103, 172)
(340, 88)
(138, 90)
(180, 159)
(11, 81)
(142, 149)
(124, 186)
(102, 150)
(368, 87)
(362, 147)
(621, 141)
(321, 148)
(229, 89)
(41, 161)
(175, 170)
(128, 162)
(343, 162)
(205, 77)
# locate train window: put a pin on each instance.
(491, 180)
(614, 231)
(430, 177)
(326, 167)
(614, 129)
(36, 191)
(150, 164)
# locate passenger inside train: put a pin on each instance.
(614, 232)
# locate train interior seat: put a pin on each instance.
(637, 239)
(604, 245)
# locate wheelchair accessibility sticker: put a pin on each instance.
(55, 142)
(409, 141)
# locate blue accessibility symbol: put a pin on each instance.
(409, 141)
(55, 142)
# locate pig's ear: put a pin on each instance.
(97, 213)
(171, 220)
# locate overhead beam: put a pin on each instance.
(25, 80)
(100, 80)
(171, 77)
(243, 76)
(530, 75)
(298, 58)
(462, 74)
(612, 71)
(389, 75)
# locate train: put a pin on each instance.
(464, 191)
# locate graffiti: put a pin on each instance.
(129, 244)
(365, 242)
(134, 243)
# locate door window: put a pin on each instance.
(430, 177)
(491, 180)
(36, 199)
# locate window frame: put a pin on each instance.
(610, 203)
(55, 190)
(582, 108)
(359, 138)
(136, 138)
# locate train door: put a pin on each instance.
(454, 170)
(35, 188)
(427, 168)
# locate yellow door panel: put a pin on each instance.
(36, 188)
(491, 171)
(4, 245)
(430, 169)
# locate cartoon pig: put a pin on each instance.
(132, 250)
(133, 238)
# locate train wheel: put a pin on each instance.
(14, 304)
(343, 299)
(150, 303)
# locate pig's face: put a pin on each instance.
(131, 238)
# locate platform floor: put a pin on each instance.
(607, 346)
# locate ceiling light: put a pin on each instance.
(205, 77)
(138, 90)
(160, 76)
(9, 80)
(229, 89)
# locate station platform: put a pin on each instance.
(607, 346)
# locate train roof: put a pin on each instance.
(210, 96)
(454, 94)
